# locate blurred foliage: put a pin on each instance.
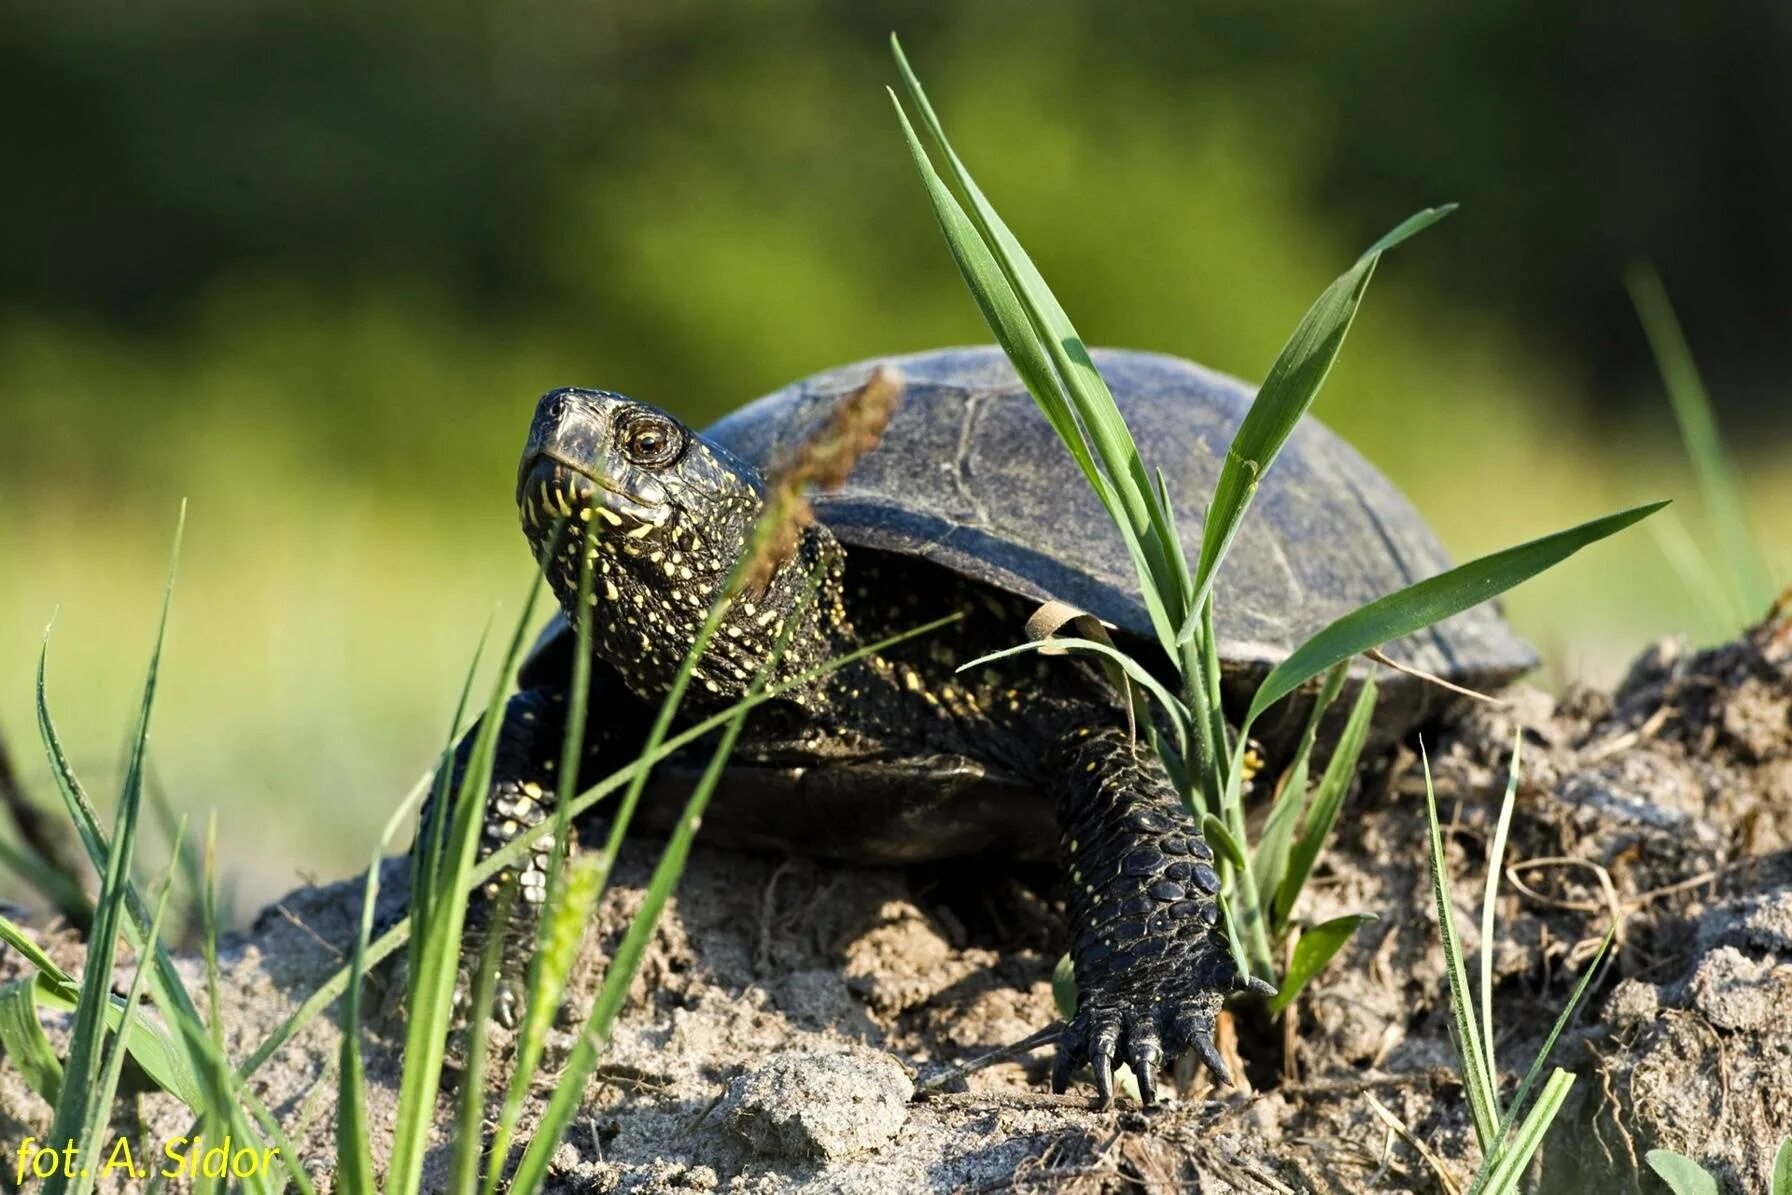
(310, 263)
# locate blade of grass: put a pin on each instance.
(469, 1137)
(1477, 1079)
(1014, 299)
(219, 1098)
(1782, 1169)
(569, 1093)
(1509, 1166)
(1220, 838)
(1496, 861)
(1316, 948)
(568, 911)
(1277, 837)
(1300, 369)
(430, 995)
(1328, 801)
(81, 1075)
(101, 1107)
(23, 1040)
(1234, 939)
(1095, 406)
(1697, 575)
(556, 943)
(1137, 672)
(1549, 1043)
(531, 1169)
(354, 1150)
(426, 846)
(1749, 586)
(55, 989)
(1431, 601)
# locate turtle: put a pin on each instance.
(970, 507)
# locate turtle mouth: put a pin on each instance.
(550, 488)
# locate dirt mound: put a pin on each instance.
(1666, 805)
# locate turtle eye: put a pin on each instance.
(651, 440)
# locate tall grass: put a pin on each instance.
(1204, 750)
(1509, 1132)
(1739, 591)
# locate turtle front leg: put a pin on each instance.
(1152, 965)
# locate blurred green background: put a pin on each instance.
(309, 265)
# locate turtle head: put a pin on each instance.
(664, 515)
(642, 480)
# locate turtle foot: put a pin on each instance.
(1142, 1031)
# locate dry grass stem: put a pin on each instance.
(824, 460)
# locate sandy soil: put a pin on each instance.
(789, 1008)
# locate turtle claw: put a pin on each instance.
(1261, 987)
(1062, 1066)
(1142, 1058)
(1104, 1079)
(1210, 1054)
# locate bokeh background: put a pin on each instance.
(308, 265)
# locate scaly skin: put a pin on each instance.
(669, 515)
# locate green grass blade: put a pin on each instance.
(1328, 802)
(531, 1169)
(1749, 586)
(1054, 363)
(1148, 517)
(1717, 603)
(1782, 1169)
(1235, 939)
(22, 1039)
(1504, 1170)
(47, 967)
(1549, 1043)
(1292, 385)
(1477, 1068)
(101, 1110)
(1137, 672)
(469, 1137)
(74, 1107)
(1252, 920)
(426, 845)
(569, 1092)
(1682, 1175)
(354, 1150)
(1432, 600)
(1003, 313)
(55, 989)
(226, 1103)
(1496, 861)
(551, 960)
(1277, 838)
(1316, 948)
(1222, 842)
(430, 996)
(569, 908)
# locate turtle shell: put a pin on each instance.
(971, 477)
